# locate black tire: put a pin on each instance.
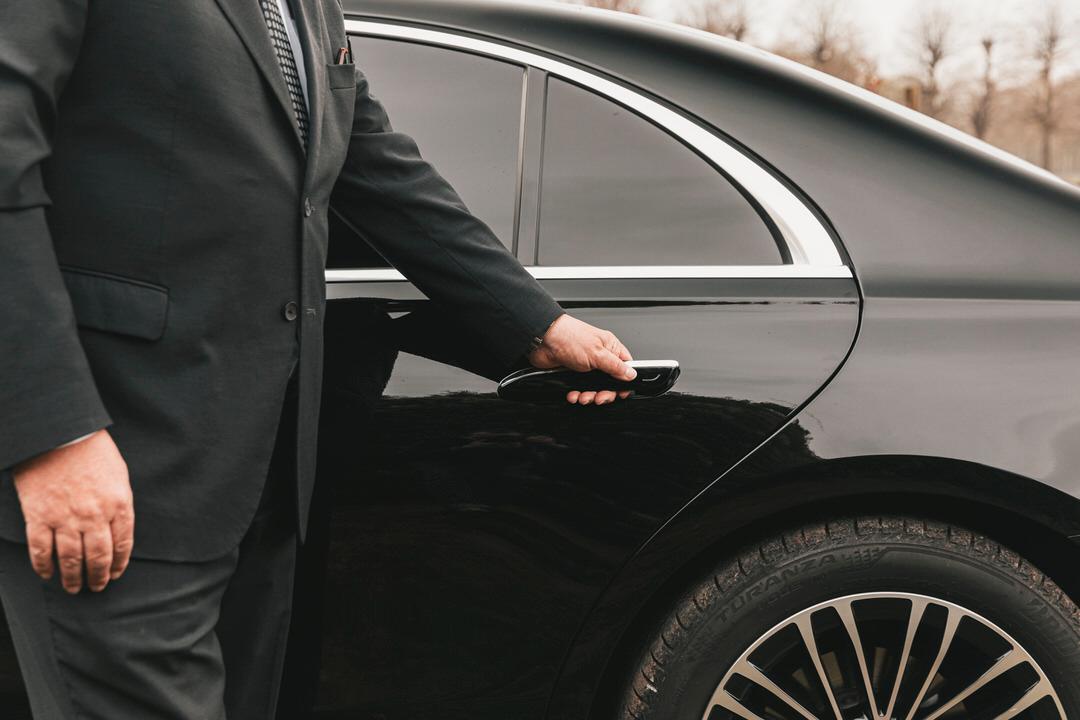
(747, 596)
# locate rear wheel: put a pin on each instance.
(866, 618)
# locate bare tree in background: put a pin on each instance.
(1049, 49)
(933, 38)
(627, 6)
(827, 31)
(983, 108)
(730, 18)
(828, 42)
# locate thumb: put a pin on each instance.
(610, 363)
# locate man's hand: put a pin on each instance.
(77, 499)
(576, 345)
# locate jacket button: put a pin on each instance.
(307, 207)
(290, 311)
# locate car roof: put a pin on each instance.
(533, 22)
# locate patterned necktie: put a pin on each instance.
(283, 48)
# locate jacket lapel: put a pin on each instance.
(246, 18)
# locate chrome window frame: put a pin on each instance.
(626, 272)
(813, 252)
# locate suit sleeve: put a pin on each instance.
(417, 222)
(47, 393)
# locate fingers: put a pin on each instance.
(610, 358)
(98, 549)
(612, 343)
(69, 553)
(604, 397)
(619, 349)
(39, 543)
(614, 366)
(123, 540)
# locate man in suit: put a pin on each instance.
(166, 173)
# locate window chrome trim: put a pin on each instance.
(806, 238)
(675, 272)
(519, 179)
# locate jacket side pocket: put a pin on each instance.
(116, 304)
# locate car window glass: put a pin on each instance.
(463, 110)
(618, 190)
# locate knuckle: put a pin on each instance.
(99, 557)
(122, 547)
(50, 516)
(123, 507)
(85, 511)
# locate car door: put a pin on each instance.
(467, 536)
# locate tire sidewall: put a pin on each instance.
(775, 592)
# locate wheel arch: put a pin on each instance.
(1033, 519)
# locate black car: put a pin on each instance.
(861, 498)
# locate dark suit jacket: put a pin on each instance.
(157, 214)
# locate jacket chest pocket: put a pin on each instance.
(341, 77)
(337, 124)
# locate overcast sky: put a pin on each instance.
(885, 26)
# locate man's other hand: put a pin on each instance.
(576, 345)
(77, 501)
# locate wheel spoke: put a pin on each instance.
(752, 673)
(918, 607)
(848, 618)
(1037, 692)
(722, 698)
(807, 631)
(1007, 662)
(951, 623)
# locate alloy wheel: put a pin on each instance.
(885, 656)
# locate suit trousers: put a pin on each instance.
(168, 640)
